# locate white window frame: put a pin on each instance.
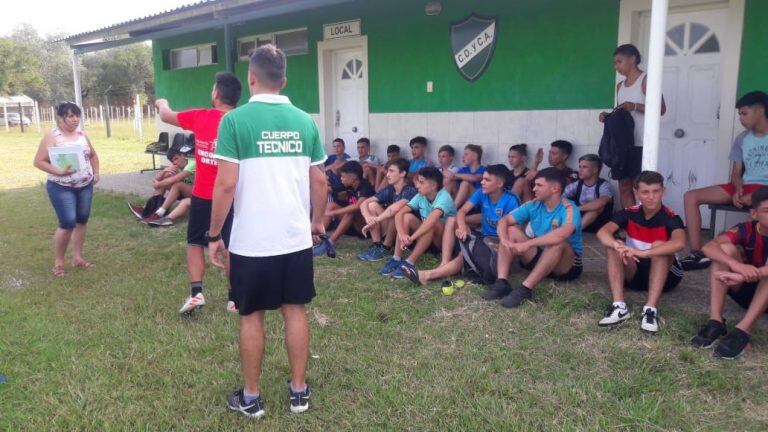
(272, 36)
(197, 48)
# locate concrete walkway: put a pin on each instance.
(128, 183)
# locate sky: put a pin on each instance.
(77, 16)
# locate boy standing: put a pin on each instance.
(738, 270)
(379, 210)
(554, 251)
(592, 194)
(646, 260)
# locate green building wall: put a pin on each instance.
(550, 54)
(753, 70)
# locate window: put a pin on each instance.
(292, 42)
(690, 39)
(193, 56)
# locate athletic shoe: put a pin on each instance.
(136, 210)
(733, 345)
(299, 400)
(375, 253)
(160, 222)
(709, 334)
(389, 268)
(151, 218)
(412, 274)
(236, 402)
(649, 323)
(399, 272)
(517, 297)
(696, 260)
(319, 250)
(192, 303)
(231, 308)
(497, 290)
(615, 315)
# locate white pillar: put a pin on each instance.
(5, 116)
(76, 80)
(36, 113)
(657, 39)
(101, 114)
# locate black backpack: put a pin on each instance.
(479, 258)
(580, 185)
(152, 205)
(618, 138)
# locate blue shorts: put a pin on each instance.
(72, 205)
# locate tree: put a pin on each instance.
(126, 71)
(19, 69)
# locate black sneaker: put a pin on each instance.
(709, 334)
(517, 297)
(299, 400)
(497, 290)
(236, 402)
(696, 260)
(733, 345)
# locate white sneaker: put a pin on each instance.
(615, 315)
(650, 321)
(231, 308)
(192, 303)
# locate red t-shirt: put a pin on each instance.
(204, 123)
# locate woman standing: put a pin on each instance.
(69, 190)
(630, 96)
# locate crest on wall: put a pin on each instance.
(473, 40)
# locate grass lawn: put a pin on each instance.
(104, 349)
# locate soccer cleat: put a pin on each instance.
(497, 290)
(389, 268)
(696, 260)
(709, 334)
(160, 222)
(615, 315)
(136, 210)
(649, 323)
(733, 345)
(236, 402)
(319, 250)
(517, 297)
(375, 253)
(299, 400)
(192, 303)
(412, 274)
(399, 272)
(231, 308)
(151, 218)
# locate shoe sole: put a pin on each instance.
(257, 414)
(299, 408)
(138, 215)
(515, 306)
(411, 275)
(650, 332)
(614, 324)
(736, 357)
(190, 311)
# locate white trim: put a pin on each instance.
(269, 98)
(228, 159)
(325, 51)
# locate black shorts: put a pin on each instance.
(640, 281)
(632, 166)
(266, 283)
(603, 218)
(572, 273)
(744, 294)
(200, 220)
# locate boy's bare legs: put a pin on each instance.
(693, 200)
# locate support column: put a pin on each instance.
(658, 37)
(76, 80)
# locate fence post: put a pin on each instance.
(5, 117)
(37, 117)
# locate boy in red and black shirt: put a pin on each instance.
(739, 270)
(646, 259)
(204, 123)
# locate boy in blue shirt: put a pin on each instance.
(420, 223)
(379, 210)
(494, 203)
(469, 176)
(419, 152)
(555, 251)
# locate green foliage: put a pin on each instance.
(19, 69)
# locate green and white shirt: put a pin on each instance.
(275, 144)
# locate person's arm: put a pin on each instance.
(167, 115)
(94, 162)
(675, 244)
(715, 252)
(606, 235)
(391, 211)
(348, 209)
(554, 237)
(461, 219)
(223, 195)
(641, 107)
(428, 224)
(169, 181)
(365, 211)
(400, 219)
(318, 193)
(43, 162)
(736, 175)
(502, 227)
(472, 178)
(538, 159)
(596, 204)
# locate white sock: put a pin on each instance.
(620, 305)
(409, 262)
(160, 212)
(648, 308)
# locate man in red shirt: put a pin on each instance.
(204, 123)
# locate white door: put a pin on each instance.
(691, 87)
(350, 87)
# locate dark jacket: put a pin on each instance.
(618, 138)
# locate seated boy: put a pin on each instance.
(393, 152)
(369, 162)
(559, 152)
(333, 163)
(379, 210)
(554, 251)
(346, 204)
(421, 222)
(494, 203)
(419, 152)
(592, 194)
(469, 176)
(645, 261)
(738, 270)
(171, 184)
(748, 174)
(445, 156)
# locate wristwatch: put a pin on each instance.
(210, 239)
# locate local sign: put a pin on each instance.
(473, 40)
(342, 29)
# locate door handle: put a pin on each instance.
(679, 133)
(354, 128)
(338, 118)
